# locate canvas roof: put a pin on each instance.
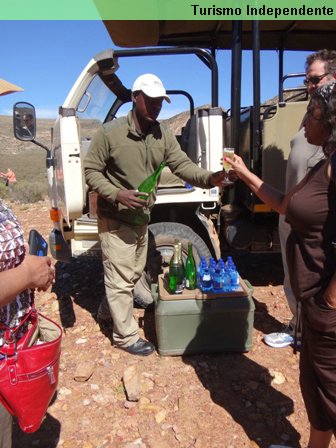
(7, 87)
(282, 34)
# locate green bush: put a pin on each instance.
(28, 192)
(3, 190)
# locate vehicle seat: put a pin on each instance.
(278, 132)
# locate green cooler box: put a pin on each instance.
(196, 322)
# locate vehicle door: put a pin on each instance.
(84, 110)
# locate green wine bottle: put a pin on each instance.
(179, 243)
(175, 273)
(190, 269)
(148, 185)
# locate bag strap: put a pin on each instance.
(31, 314)
(9, 338)
(333, 167)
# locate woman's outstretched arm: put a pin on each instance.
(276, 199)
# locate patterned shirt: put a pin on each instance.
(12, 252)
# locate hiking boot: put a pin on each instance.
(140, 348)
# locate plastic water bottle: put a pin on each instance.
(229, 262)
(227, 280)
(206, 283)
(221, 265)
(218, 281)
(212, 265)
(199, 271)
(234, 276)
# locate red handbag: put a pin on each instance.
(29, 370)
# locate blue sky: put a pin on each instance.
(45, 58)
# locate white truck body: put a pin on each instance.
(214, 220)
(85, 108)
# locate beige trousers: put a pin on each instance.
(5, 428)
(124, 250)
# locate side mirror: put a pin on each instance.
(24, 123)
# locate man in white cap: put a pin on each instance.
(122, 154)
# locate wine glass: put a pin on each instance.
(229, 153)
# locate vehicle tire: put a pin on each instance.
(162, 236)
(161, 239)
(142, 294)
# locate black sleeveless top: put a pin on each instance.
(311, 212)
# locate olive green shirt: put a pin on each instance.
(120, 158)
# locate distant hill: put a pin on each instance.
(9, 144)
(177, 122)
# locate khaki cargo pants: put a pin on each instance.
(124, 250)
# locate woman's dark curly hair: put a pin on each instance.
(326, 98)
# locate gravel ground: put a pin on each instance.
(203, 401)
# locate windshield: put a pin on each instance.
(94, 107)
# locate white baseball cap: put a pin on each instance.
(151, 86)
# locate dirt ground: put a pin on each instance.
(203, 401)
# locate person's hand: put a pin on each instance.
(330, 297)
(238, 166)
(39, 271)
(130, 198)
(219, 179)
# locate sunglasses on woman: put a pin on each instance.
(314, 80)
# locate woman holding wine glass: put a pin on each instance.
(310, 209)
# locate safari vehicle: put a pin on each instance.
(213, 220)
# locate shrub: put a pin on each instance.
(28, 192)
(3, 190)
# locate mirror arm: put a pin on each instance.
(50, 161)
(42, 146)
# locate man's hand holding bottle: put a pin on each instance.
(131, 198)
